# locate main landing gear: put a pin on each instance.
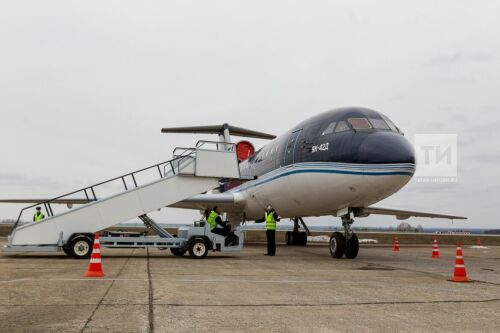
(344, 244)
(297, 237)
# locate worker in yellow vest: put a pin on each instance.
(270, 217)
(38, 215)
(219, 227)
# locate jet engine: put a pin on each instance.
(244, 150)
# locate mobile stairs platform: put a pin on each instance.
(191, 171)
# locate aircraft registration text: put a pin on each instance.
(321, 147)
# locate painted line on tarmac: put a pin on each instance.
(151, 320)
(89, 319)
(345, 282)
(360, 284)
(75, 279)
(487, 300)
(179, 280)
(491, 300)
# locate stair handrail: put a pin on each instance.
(229, 147)
(219, 145)
(48, 208)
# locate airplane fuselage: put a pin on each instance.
(348, 157)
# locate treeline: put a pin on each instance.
(407, 227)
(402, 227)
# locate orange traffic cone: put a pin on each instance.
(396, 245)
(459, 275)
(478, 242)
(95, 267)
(435, 252)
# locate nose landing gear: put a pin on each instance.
(344, 244)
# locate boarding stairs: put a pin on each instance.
(191, 171)
(150, 223)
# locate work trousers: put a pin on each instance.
(220, 231)
(271, 242)
(226, 232)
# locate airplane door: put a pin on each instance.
(291, 147)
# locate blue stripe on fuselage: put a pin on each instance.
(406, 169)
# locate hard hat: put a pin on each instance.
(269, 207)
(38, 208)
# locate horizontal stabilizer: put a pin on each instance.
(403, 214)
(219, 129)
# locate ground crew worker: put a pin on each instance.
(38, 215)
(219, 227)
(270, 217)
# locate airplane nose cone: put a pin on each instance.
(386, 148)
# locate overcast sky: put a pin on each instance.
(85, 86)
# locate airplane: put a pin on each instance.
(337, 163)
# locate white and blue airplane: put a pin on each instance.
(338, 163)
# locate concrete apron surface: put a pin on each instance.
(302, 289)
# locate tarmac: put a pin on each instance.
(302, 289)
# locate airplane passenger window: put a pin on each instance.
(342, 127)
(359, 123)
(329, 129)
(379, 123)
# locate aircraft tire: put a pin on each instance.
(302, 238)
(352, 247)
(296, 238)
(337, 245)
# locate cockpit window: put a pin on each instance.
(342, 127)
(379, 123)
(329, 129)
(393, 127)
(359, 123)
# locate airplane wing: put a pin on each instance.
(402, 214)
(204, 201)
(200, 201)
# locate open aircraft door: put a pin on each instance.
(291, 147)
